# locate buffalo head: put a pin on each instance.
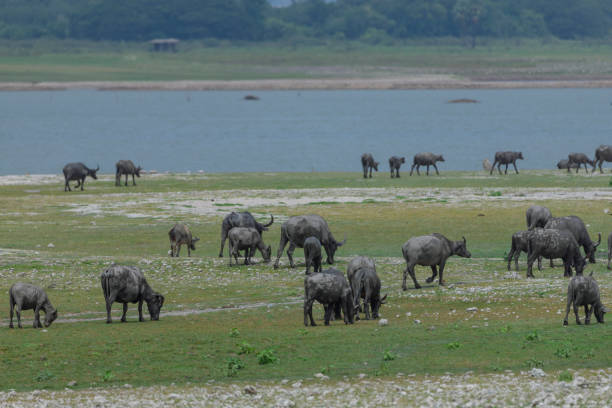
(461, 249)
(376, 306)
(440, 158)
(193, 241)
(402, 160)
(331, 249)
(520, 155)
(137, 171)
(92, 172)
(267, 253)
(155, 304)
(50, 317)
(375, 165)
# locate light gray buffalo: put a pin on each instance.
(356, 263)
(241, 219)
(247, 239)
(579, 159)
(24, 296)
(78, 172)
(430, 250)
(537, 216)
(368, 163)
(565, 164)
(395, 163)
(584, 291)
(552, 243)
(312, 254)
(127, 284)
(366, 285)
(295, 231)
(602, 153)
(127, 168)
(426, 159)
(179, 235)
(328, 289)
(575, 225)
(506, 158)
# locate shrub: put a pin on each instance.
(266, 357)
(233, 365)
(389, 356)
(453, 346)
(566, 376)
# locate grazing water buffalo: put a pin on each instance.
(366, 285)
(430, 250)
(602, 154)
(506, 158)
(520, 241)
(24, 296)
(241, 219)
(426, 159)
(609, 249)
(78, 171)
(565, 164)
(579, 159)
(312, 254)
(179, 235)
(356, 263)
(328, 289)
(127, 284)
(584, 291)
(537, 216)
(126, 167)
(247, 239)
(575, 225)
(368, 163)
(394, 165)
(295, 231)
(553, 243)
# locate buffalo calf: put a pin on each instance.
(328, 289)
(312, 254)
(584, 291)
(179, 235)
(24, 296)
(368, 163)
(366, 285)
(247, 239)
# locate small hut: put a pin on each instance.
(164, 44)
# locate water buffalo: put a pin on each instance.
(553, 243)
(328, 289)
(357, 263)
(247, 239)
(295, 231)
(394, 165)
(579, 159)
(368, 163)
(575, 225)
(430, 250)
(602, 154)
(425, 159)
(127, 284)
(312, 254)
(179, 235)
(519, 244)
(366, 285)
(78, 171)
(24, 296)
(537, 216)
(126, 167)
(506, 158)
(609, 249)
(565, 164)
(241, 219)
(584, 291)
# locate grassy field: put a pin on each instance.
(47, 60)
(244, 323)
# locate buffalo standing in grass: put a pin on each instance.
(312, 254)
(537, 216)
(368, 163)
(356, 263)
(602, 154)
(247, 239)
(366, 285)
(241, 219)
(579, 159)
(430, 250)
(179, 235)
(565, 164)
(520, 242)
(426, 159)
(584, 291)
(24, 296)
(295, 231)
(609, 249)
(506, 158)
(328, 289)
(552, 243)
(78, 172)
(575, 225)
(127, 168)
(394, 165)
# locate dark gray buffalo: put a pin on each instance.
(584, 291)
(247, 239)
(179, 235)
(127, 284)
(356, 263)
(602, 154)
(537, 216)
(575, 225)
(78, 172)
(328, 289)
(366, 285)
(312, 254)
(506, 158)
(24, 296)
(520, 242)
(430, 250)
(579, 159)
(126, 167)
(241, 219)
(368, 163)
(426, 159)
(565, 164)
(394, 165)
(552, 243)
(295, 231)
(609, 249)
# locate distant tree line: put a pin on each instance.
(372, 21)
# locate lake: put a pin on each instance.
(182, 131)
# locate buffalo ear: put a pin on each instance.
(384, 299)
(464, 241)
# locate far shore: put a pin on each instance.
(403, 82)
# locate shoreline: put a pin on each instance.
(431, 82)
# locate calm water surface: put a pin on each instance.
(295, 130)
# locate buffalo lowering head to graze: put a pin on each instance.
(247, 239)
(78, 172)
(537, 216)
(554, 243)
(127, 284)
(126, 167)
(368, 163)
(241, 219)
(506, 158)
(312, 254)
(295, 231)
(179, 235)
(430, 250)
(565, 164)
(584, 291)
(602, 153)
(24, 296)
(395, 163)
(328, 289)
(366, 285)
(576, 226)
(579, 159)
(426, 159)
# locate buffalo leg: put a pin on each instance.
(609, 257)
(247, 253)
(308, 312)
(530, 260)
(587, 314)
(434, 273)
(516, 258)
(171, 250)
(123, 316)
(539, 263)
(290, 254)
(367, 302)
(317, 264)
(370, 171)
(567, 308)
(344, 306)
(223, 238)
(18, 313)
(412, 168)
(428, 169)
(436, 167)
(188, 250)
(230, 248)
(82, 183)
(397, 173)
(567, 268)
(410, 270)
(140, 317)
(417, 169)
(515, 169)
(12, 309)
(440, 277)
(337, 309)
(392, 175)
(499, 168)
(506, 169)
(67, 185)
(126, 179)
(109, 304)
(281, 248)
(576, 311)
(37, 317)
(178, 249)
(328, 313)
(493, 167)
(365, 171)
(133, 179)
